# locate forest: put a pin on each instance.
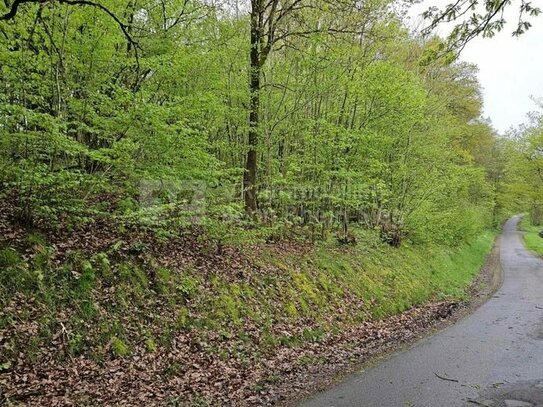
(197, 186)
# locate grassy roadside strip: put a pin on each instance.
(386, 280)
(531, 236)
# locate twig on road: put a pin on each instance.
(478, 403)
(445, 378)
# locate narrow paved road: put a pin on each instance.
(494, 356)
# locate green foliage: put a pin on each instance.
(532, 237)
(103, 265)
(182, 319)
(163, 279)
(150, 344)
(9, 258)
(16, 275)
(309, 290)
(187, 285)
(350, 132)
(522, 191)
(313, 335)
(87, 278)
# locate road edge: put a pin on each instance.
(487, 282)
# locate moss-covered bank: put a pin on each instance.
(106, 305)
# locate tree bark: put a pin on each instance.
(249, 178)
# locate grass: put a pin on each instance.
(532, 240)
(393, 280)
(371, 280)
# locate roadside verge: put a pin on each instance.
(365, 346)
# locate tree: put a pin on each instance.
(272, 24)
(268, 25)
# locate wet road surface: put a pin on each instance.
(493, 358)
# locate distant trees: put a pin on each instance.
(523, 186)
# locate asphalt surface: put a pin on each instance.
(493, 357)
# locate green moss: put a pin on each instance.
(365, 281)
(182, 320)
(42, 258)
(87, 309)
(150, 344)
(306, 288)
(187, 285)
(134, 276)
(304, 306)
(268, 340)
(16, 275)
(76, 344)
(290, 341)
(313, 335)
(9, 257)
(227, 307)
(103, 266)
(290, 309)
(36, 239)
(87, 279)
(119, 348)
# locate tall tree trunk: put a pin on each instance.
(249, 178)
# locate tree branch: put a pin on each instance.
(124, 27)
(14, 7)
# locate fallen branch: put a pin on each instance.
(478, 403)
(445, 378)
